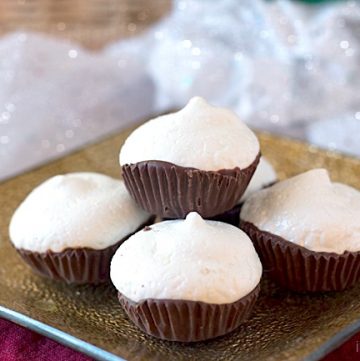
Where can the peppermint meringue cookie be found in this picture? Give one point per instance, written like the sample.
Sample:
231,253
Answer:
71,220
199,136
307,232
264,176
191,264
200,158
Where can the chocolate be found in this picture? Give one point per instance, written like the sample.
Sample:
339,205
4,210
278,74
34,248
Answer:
77,265
188,321
172,191
231,216
300,269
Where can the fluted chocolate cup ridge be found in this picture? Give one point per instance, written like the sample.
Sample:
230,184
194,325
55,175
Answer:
299,269
172,191
188,321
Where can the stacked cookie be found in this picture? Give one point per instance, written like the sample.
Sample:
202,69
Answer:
199,159
193,279
69,227
196,274
307,232
187,280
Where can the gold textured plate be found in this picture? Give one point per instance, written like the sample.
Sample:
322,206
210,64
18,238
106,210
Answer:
284,325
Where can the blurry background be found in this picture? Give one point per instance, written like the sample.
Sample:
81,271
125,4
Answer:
74,71
93,23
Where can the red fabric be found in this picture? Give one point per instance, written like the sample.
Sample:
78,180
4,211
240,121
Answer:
349,351
20,344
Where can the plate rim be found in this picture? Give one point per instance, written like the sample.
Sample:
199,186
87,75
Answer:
334,342
99,354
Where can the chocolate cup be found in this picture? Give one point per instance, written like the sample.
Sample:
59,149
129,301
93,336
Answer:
188,321
300,269
77,265
231,216
171,191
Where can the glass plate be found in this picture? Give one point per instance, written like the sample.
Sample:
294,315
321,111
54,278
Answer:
284,325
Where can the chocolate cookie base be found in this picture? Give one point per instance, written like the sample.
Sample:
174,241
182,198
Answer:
78,265
171,191
188,321
299,269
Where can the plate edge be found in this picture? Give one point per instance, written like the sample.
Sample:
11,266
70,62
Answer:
58,335
334,342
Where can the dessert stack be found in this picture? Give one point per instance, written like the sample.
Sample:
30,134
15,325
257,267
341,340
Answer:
191,279
194,275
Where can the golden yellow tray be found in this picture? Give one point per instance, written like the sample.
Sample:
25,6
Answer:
284,325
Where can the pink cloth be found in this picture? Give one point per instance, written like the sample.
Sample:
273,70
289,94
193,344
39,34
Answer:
20,344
